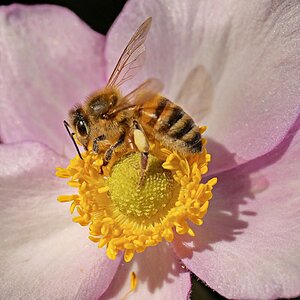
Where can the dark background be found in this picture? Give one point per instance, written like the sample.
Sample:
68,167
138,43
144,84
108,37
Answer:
100,14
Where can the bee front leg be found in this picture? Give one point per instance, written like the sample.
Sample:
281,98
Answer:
142,145
109,152
95,142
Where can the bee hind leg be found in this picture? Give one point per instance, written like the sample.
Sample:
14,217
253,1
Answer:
142,145
144,164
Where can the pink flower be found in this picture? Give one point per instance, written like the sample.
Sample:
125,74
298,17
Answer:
248,58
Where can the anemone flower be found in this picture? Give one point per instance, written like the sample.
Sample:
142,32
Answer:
234,66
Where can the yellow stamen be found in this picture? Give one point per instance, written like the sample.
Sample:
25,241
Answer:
133,281
126,215
133,285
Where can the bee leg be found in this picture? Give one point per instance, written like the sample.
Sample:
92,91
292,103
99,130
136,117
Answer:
142,145
95,142
96,146
109,152
131,143
144,164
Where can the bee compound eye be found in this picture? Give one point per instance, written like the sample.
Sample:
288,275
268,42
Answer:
82,128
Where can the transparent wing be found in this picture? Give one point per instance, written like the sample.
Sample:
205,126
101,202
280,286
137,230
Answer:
143,93
197,88
132,57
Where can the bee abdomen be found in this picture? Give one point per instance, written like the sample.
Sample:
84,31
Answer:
194,142
180,127
158,111
186,131
176,114
172,126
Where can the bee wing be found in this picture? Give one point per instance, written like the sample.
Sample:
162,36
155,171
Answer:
132,57
198,88
144,92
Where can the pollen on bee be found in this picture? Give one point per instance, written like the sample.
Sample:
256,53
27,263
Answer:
140,141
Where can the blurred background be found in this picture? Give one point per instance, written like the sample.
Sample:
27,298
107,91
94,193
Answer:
100,15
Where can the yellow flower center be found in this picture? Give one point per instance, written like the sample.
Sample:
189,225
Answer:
125,213
136,199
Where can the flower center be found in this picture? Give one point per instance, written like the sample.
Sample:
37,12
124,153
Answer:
127,214
140,199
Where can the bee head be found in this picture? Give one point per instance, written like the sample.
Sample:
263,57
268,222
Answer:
101,103
80,125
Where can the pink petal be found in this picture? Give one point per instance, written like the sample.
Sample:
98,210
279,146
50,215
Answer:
50,60
247,55
160,276
248,247
44,255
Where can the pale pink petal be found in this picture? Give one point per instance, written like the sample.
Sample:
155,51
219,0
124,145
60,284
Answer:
43,254
247,55
49,60
160,276
248,247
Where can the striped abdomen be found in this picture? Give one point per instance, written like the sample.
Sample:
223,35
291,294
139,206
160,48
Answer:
170,125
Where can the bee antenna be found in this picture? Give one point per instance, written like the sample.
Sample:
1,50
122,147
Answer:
71,134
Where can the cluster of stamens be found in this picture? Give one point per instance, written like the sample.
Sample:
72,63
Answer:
127,214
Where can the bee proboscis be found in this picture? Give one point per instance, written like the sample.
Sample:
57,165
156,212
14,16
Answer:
108,121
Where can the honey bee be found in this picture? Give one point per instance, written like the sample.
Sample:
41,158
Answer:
108,121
